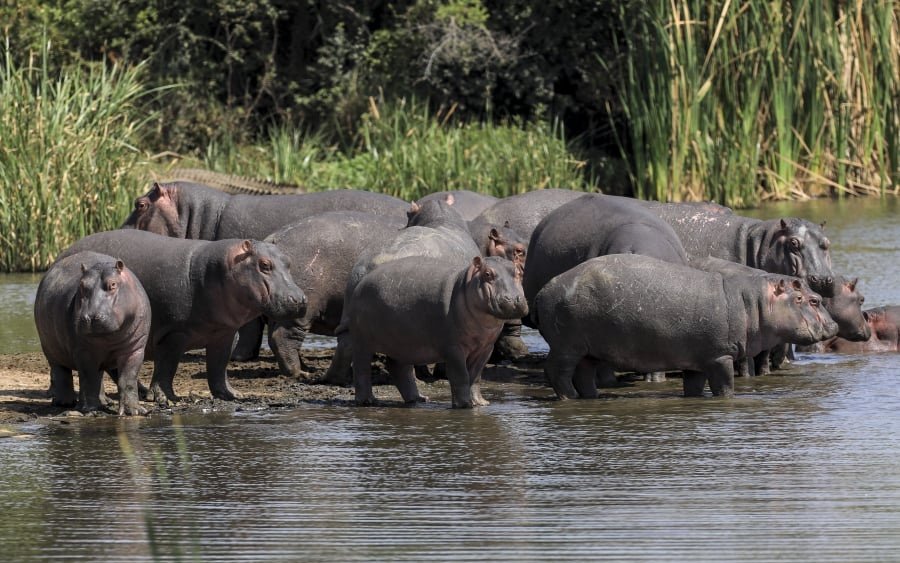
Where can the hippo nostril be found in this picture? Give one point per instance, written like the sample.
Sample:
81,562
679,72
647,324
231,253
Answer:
829,281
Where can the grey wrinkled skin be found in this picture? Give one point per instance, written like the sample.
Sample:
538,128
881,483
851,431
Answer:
522,212
884,335
436,232
92,315
627,311
791,246
200,293
469,204
420,310
195,211
595,225
322,251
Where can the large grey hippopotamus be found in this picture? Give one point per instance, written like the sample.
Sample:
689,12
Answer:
626,311
435,230
195,211
201,292
420,310
791,246
883,324
521,212
92,315
845,309
322,250
595,225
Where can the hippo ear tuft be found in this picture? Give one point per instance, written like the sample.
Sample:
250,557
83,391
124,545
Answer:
120,266
450,199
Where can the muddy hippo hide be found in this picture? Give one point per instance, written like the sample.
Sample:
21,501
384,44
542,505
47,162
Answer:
92,315
627,311
884,334
595,225
201,292
791,246
195,211
322,251
424,310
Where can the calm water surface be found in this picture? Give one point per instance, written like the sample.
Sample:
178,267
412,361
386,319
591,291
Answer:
803,465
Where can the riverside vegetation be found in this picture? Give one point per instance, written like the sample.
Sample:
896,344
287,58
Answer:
733,101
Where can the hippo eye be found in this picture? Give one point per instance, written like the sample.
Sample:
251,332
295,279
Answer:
795,243
489,275
862,299
826,244
798,299
813,301
265,266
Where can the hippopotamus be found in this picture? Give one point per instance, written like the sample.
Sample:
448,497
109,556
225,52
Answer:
627,311
195,211
884,334
595,225
92,315
790,246
322,250
521,212
420,310
435,231
469,204
845,309
200,293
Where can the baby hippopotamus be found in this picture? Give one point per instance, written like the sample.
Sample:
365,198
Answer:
627,311
421,310
92,314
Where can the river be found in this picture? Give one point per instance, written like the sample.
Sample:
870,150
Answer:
800,465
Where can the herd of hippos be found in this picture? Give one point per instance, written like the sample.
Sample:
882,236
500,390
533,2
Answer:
612,284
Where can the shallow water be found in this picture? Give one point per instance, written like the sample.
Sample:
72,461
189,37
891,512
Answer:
802,465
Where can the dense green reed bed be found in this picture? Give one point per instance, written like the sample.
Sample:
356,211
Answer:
739,101
67,156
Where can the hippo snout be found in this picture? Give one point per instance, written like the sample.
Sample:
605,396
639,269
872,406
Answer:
512,307
292,305
822,284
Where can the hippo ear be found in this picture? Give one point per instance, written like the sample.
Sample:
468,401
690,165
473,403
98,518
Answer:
450,199
120,266
83,268
779,287
494,235
784,225
822,225
851,285
795,283
247,246
506,224
413,208
477,265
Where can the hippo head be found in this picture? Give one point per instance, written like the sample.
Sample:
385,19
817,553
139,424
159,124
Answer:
507,243
800,248
846,309
497,285
434,213
101,306
797,313
157,212
260,273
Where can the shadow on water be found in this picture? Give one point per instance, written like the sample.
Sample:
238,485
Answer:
800,465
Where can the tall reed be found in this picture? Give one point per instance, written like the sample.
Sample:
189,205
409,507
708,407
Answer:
67,154
739,101
406,150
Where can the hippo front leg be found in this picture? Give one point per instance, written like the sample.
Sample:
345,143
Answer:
217,354
694,382
62,387
362,375
166,357
127,382
460,385
560,372
761,362
403,376
587,373
249,341
340,371
89,387
286,339
475,366
721,377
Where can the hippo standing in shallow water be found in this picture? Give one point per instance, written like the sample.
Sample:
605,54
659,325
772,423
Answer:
423,310
792,246
884,334
626,311
201,292
92,315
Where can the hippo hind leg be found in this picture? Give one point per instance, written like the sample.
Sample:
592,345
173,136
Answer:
721,377
694,383
249,341
560,372
362,374
585,377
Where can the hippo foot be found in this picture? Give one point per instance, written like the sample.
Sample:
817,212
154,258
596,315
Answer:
132,410
226,394
655,377
161,398
416,401
369,401
480,401
64,401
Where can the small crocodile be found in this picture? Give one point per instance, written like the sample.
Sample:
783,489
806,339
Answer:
230,183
